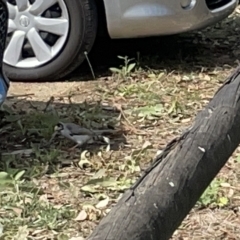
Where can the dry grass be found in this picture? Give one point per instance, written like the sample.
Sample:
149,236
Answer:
49,193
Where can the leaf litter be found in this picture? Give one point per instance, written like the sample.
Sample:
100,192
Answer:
50,193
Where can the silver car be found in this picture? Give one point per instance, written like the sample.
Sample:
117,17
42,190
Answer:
47,39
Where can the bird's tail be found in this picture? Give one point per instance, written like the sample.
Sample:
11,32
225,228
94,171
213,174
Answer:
102,139
106,131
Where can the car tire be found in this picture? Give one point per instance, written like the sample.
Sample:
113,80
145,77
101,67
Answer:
82,33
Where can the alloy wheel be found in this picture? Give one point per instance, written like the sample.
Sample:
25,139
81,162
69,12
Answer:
37,32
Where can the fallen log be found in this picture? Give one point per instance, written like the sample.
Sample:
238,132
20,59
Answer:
157,203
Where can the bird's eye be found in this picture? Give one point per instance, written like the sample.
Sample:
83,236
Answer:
60,126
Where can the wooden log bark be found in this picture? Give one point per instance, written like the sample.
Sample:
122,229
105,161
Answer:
156,205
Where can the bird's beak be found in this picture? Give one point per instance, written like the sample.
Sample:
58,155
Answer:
56,128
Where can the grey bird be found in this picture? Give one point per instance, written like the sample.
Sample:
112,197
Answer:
81,135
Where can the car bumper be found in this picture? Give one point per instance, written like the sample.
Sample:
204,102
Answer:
134,18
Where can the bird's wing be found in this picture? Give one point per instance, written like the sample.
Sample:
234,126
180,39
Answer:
77,130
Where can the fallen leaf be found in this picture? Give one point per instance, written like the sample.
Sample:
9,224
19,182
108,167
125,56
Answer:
44,198
19,175
186,120
28,200
101,196
146,145
89,189
38,231
149,112
5,179
224,184
223,201
83,163
158,153
152,75
103,203
62,236
81,216
18,211
1,229
89,208
108,148
108,210
93,216
185,78
230,193
104,182
207,77
4,175
100,173
22,233
84,155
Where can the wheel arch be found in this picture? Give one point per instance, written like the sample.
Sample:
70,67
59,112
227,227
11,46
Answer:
102,18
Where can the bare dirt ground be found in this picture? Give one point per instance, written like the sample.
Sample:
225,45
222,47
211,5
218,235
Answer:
51,193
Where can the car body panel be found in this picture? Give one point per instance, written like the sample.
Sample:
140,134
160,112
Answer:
143,18
4,82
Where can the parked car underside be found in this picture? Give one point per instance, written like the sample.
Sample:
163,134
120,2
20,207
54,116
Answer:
47,39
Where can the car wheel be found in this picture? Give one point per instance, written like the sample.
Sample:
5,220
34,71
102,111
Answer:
47,38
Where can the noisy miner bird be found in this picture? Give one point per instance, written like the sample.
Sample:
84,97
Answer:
81,135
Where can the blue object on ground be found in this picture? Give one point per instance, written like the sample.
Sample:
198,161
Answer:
4,82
